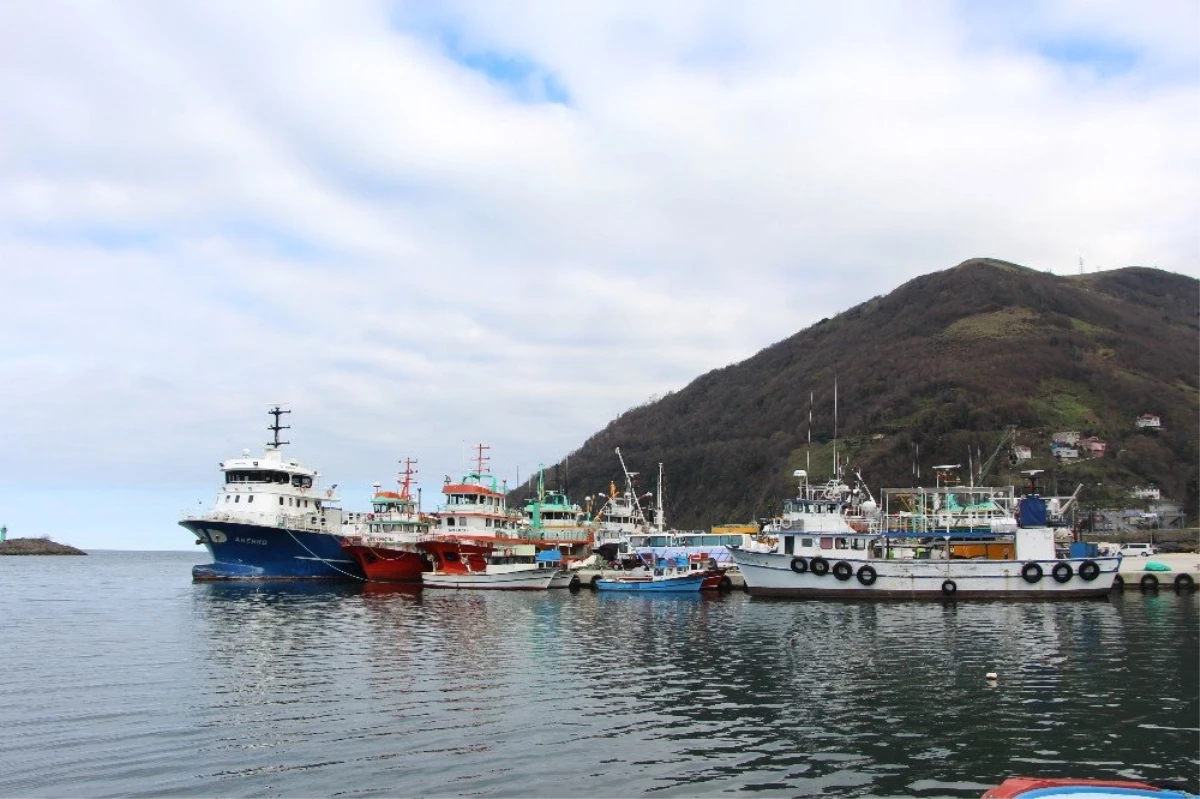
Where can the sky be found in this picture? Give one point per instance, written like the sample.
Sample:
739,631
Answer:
425,226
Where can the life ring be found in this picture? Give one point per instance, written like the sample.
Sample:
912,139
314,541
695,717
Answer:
1062,572
786,524
866,575
819,566
1089,570
949,588
799,565
1032,572
1184,582
843,570
1148,582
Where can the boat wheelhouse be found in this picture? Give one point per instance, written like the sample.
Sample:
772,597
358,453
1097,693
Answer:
552,521
476,504
271,520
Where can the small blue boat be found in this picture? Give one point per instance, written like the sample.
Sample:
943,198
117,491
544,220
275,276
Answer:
666,577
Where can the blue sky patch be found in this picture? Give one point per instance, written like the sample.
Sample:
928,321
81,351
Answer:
1106,59
527,79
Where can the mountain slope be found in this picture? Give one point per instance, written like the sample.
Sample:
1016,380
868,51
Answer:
933,371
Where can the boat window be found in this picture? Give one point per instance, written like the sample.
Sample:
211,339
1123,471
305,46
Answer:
789,544
826,542
226,497
858,543
281,500
806,543
840,543
237,498
250,498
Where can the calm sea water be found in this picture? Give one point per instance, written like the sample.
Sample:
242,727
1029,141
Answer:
120,677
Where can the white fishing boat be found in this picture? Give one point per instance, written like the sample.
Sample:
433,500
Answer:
879,563
465,564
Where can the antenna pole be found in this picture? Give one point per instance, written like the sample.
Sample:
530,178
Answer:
835,460
658,510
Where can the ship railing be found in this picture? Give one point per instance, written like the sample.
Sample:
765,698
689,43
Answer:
580,534
313,522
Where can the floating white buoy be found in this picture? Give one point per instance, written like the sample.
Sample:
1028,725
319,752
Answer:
991,676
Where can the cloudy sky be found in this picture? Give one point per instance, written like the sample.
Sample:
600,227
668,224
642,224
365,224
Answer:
425,226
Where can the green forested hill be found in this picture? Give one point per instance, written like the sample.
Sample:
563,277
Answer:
941,367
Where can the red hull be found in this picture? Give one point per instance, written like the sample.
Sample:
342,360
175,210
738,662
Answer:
387,565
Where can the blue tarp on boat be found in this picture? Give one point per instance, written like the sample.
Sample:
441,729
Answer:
1033,512
548,556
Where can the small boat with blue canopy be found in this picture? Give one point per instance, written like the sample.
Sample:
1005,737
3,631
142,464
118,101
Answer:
663,576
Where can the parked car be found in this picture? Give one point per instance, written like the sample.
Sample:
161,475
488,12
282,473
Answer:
1135,550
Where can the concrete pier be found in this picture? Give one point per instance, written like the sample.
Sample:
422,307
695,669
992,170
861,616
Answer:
1184,573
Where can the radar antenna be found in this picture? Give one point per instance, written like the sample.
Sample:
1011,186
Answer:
277,411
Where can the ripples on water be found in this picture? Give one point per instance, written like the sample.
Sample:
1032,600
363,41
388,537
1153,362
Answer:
122,678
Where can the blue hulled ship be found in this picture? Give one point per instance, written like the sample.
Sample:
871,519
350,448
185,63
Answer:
271,520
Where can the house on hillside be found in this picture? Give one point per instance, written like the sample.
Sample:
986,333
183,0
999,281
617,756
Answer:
1145,492
1063,452
1150,420
1093,447
1022,453
1067,438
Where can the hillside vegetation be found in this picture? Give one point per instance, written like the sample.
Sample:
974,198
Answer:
941,367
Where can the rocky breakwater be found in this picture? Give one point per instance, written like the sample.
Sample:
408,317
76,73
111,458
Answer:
37,546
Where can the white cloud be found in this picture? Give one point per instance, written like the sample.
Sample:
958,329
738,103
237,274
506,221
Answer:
207,207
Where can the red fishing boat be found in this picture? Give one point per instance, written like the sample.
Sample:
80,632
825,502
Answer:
384,544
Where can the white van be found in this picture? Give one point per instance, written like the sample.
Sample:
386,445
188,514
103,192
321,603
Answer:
1135,550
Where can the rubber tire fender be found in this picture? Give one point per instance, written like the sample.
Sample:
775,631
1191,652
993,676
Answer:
1185,582
819,566
1089,570
867,575
726,583
1118,583
594,583
843,570
1149,582
1031,572
799,565
949,588
1062,572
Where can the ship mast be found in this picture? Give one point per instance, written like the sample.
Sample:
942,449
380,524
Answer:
481,459
405,477
275,428
658,509
641,517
